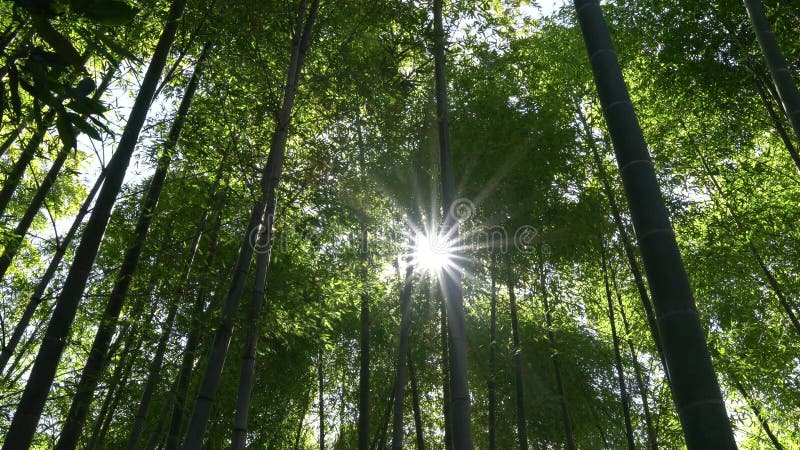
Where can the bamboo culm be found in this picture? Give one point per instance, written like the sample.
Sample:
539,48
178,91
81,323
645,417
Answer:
551,336
418,428
17,237
247,374
269,181
492,350
38,294
776,62
400,371
94,366
14,177
321,400
516,355
451,280
623,389
155,367
183,378
364,342
26,417
445,362
627,245
641,382
695,389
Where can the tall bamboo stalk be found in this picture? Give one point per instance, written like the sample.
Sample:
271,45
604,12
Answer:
778,68
451,279
623,388
270,178
694,384
26,418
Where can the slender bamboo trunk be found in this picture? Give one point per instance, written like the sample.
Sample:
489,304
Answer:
418,428
775,286
400,378
623,389
773,93
120,340
445,341
11,138
600,429
562,397
103,414
97,440
38,294
95,363
756,411
778,68
380,438
768,93
118,377
122,371
516,354
750,401
153,377
492,350
14,243
321,403
269,181
364,356
222,337
13,380
36,299
551,336
14,177
34,337
652,436
306,405
627,243
778,123
157,436
695,389
341,415
364,319
183,379
772,281
459,390
639,282
26,418
10,33
248,366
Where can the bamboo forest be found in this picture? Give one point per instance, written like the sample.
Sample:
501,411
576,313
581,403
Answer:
404,224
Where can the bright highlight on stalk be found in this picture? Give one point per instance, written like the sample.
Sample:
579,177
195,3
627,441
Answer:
433,254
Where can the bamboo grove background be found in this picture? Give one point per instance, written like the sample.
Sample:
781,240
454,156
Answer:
209,209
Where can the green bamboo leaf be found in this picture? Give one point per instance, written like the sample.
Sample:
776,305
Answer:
115,47
85,105
85,87
100,125
106,12
58,42
3,99
84,126
65,131
13,88
41,93
46,8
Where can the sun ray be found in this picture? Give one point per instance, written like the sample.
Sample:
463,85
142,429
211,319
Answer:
431,253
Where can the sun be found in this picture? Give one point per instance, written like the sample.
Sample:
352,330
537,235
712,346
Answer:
433,254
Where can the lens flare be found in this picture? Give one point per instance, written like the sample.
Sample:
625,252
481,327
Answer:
432,253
